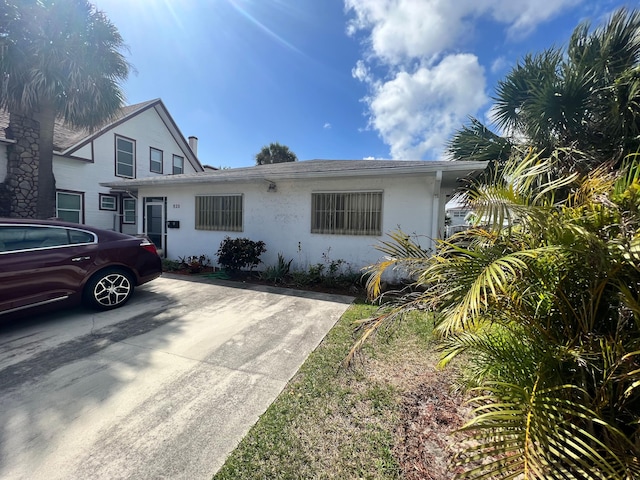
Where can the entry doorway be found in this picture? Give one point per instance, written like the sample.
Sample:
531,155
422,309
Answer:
154,222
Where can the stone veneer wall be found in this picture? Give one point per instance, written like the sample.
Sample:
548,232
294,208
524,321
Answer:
22,168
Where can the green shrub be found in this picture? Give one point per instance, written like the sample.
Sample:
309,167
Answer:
235,254
279,272
170,265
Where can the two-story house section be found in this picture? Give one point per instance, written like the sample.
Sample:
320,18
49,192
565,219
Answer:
142,141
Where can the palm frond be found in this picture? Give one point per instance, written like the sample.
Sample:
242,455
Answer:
533,434
403,254
476,142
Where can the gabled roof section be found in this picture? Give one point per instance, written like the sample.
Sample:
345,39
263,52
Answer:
67,140
449,171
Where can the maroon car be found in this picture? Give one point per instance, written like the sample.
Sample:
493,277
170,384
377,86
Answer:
43,261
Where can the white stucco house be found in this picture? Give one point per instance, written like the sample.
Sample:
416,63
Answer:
309,211
142,141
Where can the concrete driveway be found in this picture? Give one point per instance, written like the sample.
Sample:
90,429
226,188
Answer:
164,387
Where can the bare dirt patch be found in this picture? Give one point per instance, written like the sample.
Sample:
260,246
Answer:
425,437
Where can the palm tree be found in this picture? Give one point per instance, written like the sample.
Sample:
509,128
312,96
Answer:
275,153
59,59
585,99
543,298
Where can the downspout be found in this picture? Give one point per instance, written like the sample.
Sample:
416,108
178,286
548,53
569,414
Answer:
435,209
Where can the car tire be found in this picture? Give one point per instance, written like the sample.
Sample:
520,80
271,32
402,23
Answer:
107,289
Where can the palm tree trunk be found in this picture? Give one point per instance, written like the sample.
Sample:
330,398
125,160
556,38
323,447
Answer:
46,203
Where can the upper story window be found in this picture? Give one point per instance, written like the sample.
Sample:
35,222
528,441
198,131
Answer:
347,213
155,160
178,164
125,157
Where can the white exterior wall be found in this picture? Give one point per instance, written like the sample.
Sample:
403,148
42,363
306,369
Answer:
148,130
282,219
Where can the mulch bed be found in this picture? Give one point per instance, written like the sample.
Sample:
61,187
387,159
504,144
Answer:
254,277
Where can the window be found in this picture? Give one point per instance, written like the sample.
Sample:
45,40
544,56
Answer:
107,202
357,213
155,160
459,213
29,237
128,210
69,206
178,165
219,212
125,157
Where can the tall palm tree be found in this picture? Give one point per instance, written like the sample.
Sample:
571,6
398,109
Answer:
543,296
59,59
275,153
585,99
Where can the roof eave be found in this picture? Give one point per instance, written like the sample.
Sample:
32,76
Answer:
222,176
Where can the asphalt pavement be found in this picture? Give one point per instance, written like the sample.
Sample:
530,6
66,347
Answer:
162,388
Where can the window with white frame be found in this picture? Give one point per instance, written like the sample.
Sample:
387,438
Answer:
108,202
128,210
347,213
178,164
219,212
125,157
155,160
69,206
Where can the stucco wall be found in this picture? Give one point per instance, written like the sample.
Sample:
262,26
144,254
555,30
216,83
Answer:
282,219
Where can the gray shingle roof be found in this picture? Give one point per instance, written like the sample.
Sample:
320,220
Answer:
65,137
313,169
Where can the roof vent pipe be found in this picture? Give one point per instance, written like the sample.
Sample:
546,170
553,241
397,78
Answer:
193,144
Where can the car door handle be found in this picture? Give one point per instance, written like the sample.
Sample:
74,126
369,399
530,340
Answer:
79,259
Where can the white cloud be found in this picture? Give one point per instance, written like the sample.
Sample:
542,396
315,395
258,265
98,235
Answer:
415,112
523,16
404,29
498,65
327,126
361,72
427,88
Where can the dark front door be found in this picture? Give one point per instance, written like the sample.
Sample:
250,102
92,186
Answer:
154,223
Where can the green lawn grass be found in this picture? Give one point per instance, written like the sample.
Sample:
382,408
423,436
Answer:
332,422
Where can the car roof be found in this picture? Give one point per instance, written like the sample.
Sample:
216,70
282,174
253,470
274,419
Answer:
59,223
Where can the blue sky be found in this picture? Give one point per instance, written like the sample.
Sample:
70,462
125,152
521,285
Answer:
332,79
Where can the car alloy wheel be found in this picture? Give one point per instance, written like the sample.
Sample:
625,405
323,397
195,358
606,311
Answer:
109,289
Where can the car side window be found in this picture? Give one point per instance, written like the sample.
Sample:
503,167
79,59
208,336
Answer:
15,238
29,237
76,236
50,237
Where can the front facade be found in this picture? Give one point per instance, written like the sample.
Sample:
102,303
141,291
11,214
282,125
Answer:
311,212
143,141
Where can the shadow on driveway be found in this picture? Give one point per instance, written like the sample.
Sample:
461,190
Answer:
164,387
